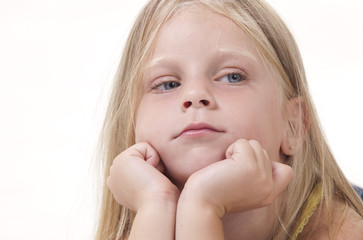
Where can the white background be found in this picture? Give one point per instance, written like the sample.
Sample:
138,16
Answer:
57,60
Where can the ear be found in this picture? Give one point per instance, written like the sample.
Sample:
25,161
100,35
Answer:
296,128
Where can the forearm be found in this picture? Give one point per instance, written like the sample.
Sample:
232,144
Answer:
154,222
196,220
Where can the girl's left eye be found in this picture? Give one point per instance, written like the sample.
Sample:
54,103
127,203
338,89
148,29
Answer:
232,78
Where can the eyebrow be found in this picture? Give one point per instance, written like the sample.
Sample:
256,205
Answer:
249,56
220,54
158,61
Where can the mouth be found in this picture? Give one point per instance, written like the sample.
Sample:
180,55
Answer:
197,130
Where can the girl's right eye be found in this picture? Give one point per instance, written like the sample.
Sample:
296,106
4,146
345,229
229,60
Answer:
165,85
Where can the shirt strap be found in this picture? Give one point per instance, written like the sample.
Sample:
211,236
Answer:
312,203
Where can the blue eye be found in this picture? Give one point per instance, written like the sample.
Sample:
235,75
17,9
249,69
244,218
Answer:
232,78
165,86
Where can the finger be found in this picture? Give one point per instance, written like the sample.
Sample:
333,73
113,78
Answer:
229,151
160,167
151,156
148,153
240,150
282,175
260,154
268,161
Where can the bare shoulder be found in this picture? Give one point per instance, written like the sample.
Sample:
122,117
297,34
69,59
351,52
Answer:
351,227
345,223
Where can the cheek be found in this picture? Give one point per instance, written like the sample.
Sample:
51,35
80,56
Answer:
146,128
138,133
262,122
151,121
272,132
141,121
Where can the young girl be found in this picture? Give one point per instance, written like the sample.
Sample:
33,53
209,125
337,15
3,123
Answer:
211,133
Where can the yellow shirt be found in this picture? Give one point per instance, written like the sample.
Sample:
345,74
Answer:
313,201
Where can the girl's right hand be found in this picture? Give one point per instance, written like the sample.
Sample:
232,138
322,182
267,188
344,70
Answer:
136,178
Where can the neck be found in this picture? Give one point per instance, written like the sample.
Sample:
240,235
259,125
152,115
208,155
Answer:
254,224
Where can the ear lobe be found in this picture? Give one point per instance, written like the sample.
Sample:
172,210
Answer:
296,126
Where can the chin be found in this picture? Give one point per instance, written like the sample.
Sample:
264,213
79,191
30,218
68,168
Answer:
180,168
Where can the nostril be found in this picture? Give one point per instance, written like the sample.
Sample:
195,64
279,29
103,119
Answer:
204,102
187,104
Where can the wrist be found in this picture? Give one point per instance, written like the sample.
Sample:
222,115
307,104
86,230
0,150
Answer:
155,218
197,218
160,199
195,198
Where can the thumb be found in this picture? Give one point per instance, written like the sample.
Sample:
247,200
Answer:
151,156
282,175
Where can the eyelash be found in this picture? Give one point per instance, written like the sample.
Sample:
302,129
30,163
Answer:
159,83
240,73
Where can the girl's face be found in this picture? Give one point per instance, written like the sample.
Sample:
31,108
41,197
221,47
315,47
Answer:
205,87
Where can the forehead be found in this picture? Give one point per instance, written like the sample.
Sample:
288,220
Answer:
197,26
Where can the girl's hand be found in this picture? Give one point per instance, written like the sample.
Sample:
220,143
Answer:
245,180
136,178
137,182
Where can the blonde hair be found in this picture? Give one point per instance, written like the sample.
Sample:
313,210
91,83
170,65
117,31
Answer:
313,163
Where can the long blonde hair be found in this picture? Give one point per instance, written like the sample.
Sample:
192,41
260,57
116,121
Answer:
313,163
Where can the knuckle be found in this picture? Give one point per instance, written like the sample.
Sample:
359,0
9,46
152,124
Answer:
268,193
270,198
254,142
242,142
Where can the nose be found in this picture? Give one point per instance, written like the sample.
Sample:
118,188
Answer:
201,103
197,96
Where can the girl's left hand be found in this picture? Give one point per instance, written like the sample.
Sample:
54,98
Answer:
246,179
